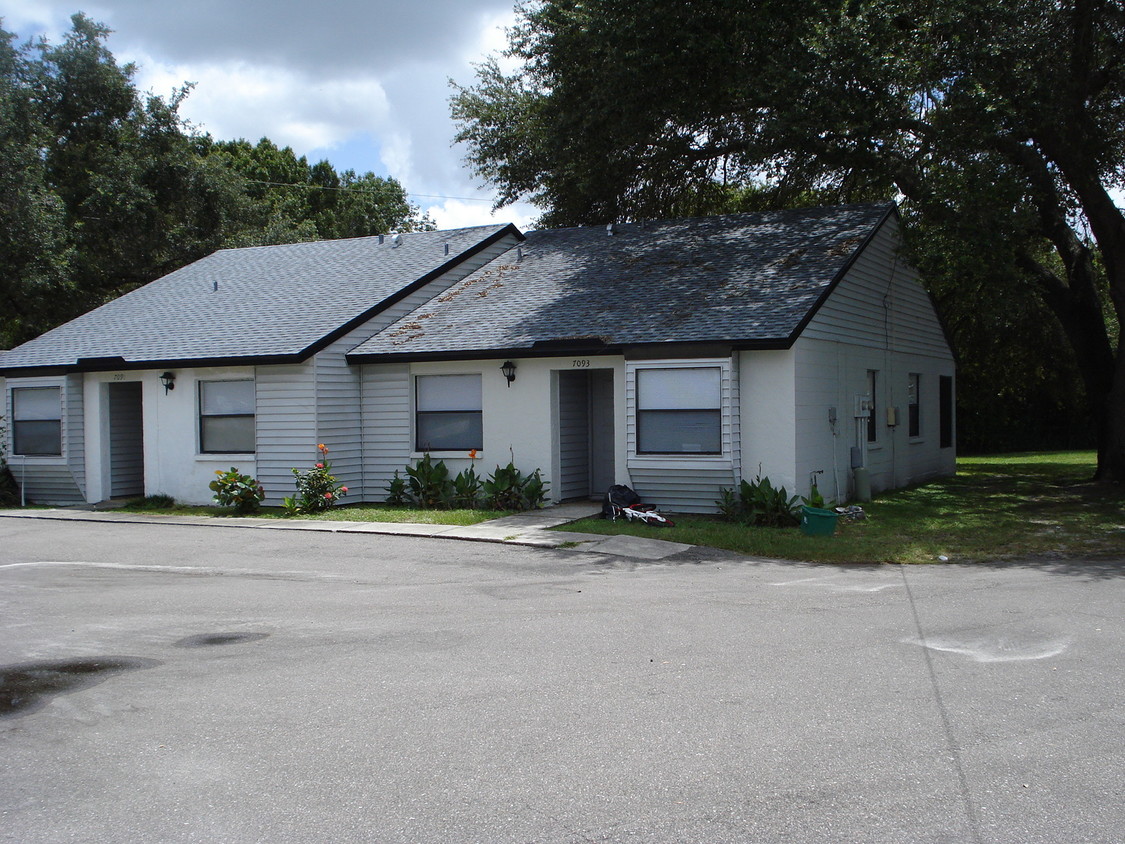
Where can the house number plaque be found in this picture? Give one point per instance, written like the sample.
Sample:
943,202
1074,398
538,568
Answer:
581,364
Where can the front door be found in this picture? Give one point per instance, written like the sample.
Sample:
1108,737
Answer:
126,440
585,426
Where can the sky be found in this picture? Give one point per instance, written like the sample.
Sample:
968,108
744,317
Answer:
361,83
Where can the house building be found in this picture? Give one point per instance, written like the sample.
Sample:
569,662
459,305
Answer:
677,357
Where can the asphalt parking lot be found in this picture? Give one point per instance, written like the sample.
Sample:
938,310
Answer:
182,683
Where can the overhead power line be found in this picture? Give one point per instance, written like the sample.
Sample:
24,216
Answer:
364,190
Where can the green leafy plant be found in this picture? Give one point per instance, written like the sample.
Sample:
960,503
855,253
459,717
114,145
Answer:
396,491
317,489
509,489
467,487
760,503
241,492
814,498
428,484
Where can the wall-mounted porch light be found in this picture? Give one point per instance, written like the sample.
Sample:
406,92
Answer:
168,379
509,370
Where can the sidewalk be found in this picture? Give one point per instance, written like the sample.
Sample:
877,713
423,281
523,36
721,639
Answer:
530,528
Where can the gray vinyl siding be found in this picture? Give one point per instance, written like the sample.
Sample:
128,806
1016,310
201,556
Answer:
682,483
680,488
47,483
386,425
75,431
52,480
285,426
338,416
879,318
574,435
880,303
126,440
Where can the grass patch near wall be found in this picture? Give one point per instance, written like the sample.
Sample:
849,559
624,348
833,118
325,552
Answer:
345,513
995,508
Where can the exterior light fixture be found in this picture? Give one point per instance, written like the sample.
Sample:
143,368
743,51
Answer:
168,379
509,370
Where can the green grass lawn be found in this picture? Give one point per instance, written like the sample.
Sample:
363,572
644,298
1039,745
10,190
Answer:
346,513
995,508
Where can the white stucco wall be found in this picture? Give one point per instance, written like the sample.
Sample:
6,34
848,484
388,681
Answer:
173,464
768,408
518,420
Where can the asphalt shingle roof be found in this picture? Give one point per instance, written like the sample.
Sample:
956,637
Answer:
253,303
738,278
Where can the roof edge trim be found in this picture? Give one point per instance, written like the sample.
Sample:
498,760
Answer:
416,285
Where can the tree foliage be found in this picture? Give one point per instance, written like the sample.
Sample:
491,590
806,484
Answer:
103,189
1000,125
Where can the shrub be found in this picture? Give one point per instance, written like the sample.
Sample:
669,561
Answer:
428,484
467,487
509,489
317,489
233,489
396,491
760,503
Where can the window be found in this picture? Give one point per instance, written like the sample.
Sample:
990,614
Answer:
914,409
36,421
226,417
872,421
679,411
447,413
945,411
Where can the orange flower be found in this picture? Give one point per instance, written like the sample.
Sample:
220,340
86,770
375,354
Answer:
343,489
473,454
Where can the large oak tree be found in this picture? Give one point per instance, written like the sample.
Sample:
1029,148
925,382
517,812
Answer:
1000,124
104,188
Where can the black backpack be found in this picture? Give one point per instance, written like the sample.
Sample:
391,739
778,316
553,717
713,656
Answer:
618,495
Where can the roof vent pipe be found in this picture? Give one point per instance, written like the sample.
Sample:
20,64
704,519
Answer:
380,240
447,249
519,254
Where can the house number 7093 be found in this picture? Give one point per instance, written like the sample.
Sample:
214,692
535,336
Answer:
581,364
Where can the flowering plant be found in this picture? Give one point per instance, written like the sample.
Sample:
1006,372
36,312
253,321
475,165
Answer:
234,489
317,489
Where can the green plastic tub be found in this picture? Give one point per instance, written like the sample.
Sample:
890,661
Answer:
817,522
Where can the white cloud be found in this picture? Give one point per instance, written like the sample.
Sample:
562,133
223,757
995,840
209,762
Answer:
458,213
237,100
363,84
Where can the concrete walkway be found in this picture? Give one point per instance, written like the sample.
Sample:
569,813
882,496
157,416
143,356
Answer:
530,528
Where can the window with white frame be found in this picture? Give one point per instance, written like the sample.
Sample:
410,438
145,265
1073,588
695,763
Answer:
679,410
448,413
914,408
226,417
36,421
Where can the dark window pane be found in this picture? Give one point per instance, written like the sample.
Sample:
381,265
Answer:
453,430
37,437
679,432
945,411
227,434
